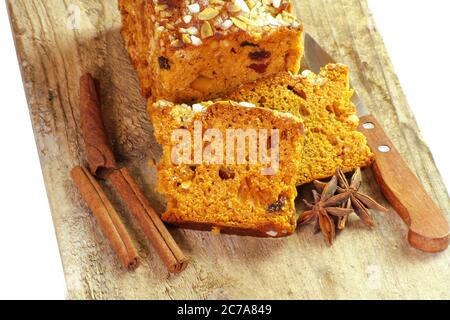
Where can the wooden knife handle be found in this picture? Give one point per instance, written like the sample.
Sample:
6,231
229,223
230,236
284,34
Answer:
428,228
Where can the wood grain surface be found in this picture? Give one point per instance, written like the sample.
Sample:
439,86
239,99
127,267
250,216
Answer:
55,48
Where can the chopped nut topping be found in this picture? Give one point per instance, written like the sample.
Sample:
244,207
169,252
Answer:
187,18
196,41
244,7
239,23
233,8
227,24
208,14
194,8
206,31
175,19
192,30
186,38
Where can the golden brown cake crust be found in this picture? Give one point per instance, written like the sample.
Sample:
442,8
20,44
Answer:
227,196
261,232
197,56
324,103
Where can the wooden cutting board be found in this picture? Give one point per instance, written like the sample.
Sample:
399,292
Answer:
59,40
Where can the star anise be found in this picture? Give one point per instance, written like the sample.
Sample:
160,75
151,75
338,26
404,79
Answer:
359,202
325,207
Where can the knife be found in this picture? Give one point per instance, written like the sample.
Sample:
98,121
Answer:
428,228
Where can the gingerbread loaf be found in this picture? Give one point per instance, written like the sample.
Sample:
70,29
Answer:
323,101
196,50
244,185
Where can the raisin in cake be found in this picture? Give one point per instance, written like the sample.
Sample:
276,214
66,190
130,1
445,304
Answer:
324,103
195,50
231,196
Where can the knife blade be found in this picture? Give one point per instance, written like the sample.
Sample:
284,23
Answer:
428,228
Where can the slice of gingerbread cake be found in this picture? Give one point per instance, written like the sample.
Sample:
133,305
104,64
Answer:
323,101
229,167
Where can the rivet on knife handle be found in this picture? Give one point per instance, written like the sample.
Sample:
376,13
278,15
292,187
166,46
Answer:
428,228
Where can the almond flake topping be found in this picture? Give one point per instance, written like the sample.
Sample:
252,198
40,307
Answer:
233,8
244,7
239,23
194,20
208,14
206,31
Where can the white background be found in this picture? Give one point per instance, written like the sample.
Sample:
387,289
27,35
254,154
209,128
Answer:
414,31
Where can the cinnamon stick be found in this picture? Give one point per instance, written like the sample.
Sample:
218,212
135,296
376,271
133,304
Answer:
103,165
149,220
107,218
99,155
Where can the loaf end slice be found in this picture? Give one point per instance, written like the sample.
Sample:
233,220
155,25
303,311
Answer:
195,51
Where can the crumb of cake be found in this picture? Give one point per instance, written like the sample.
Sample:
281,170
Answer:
215,230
